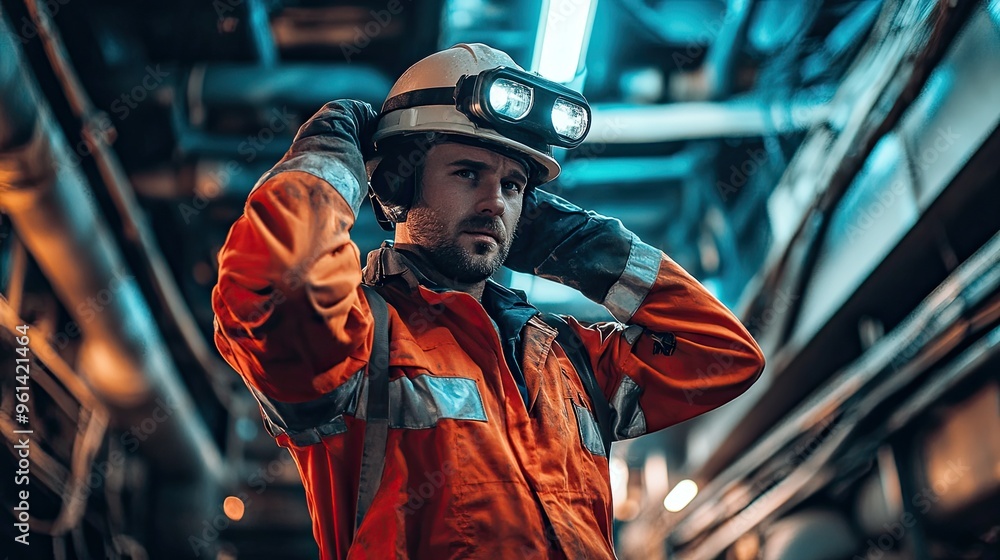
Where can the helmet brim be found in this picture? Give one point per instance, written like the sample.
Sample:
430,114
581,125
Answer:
448,120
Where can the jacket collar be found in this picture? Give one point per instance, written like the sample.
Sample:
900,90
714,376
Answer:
387,264
508,309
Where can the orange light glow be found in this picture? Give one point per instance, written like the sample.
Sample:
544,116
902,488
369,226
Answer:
233,507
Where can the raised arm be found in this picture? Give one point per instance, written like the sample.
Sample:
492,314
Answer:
290,316
677,351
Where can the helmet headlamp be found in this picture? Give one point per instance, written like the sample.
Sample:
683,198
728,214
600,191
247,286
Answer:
519,105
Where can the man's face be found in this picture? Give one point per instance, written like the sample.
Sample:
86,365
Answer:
467,210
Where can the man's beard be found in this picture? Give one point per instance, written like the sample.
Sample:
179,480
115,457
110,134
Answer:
451,259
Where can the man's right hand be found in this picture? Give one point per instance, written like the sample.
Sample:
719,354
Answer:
345,119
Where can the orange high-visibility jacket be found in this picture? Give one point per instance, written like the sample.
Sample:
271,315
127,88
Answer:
471,471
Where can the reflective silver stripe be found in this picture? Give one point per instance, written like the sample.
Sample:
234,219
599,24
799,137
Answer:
307,422
629,421
327,169
637,279
413,404
420,402
423,400
589,434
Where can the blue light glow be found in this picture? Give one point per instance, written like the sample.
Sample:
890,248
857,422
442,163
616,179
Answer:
563,34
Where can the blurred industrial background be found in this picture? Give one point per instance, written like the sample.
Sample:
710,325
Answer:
829,168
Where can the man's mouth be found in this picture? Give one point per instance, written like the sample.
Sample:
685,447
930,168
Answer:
484,234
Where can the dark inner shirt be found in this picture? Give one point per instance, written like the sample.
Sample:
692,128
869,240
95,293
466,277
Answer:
510,312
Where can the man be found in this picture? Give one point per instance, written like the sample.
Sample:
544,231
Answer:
493,448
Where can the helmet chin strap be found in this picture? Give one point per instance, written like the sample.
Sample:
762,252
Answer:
390,212
381,216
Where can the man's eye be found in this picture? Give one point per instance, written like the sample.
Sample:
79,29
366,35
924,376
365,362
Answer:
514,186
466,174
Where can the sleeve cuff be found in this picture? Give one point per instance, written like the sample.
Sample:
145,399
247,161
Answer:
627,294
328,169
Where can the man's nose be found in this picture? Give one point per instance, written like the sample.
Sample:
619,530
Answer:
491,200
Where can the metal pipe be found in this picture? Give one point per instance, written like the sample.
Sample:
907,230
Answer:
812,534
123,356
590,172
724,51
622,124
914,346
97,133
294,86
261,37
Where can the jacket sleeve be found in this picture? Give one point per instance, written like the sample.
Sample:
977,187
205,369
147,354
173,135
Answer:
290,314
678,353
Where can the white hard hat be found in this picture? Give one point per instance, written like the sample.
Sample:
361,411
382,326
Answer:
442,70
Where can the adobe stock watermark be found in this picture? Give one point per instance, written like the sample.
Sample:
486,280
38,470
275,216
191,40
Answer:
211,529
99,129
223,7
147,426
822,432
696,48
89,309
130,441
565,11
363,35
802,450
781,304
28,29
585,155
611,131
250,148
279,120
944,139
914,346
921,502
425,491
738,177
130,100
